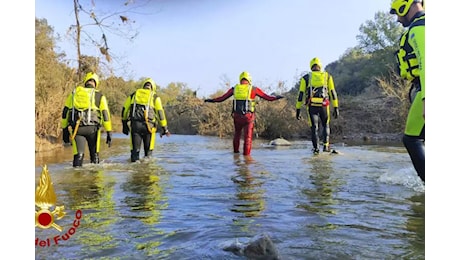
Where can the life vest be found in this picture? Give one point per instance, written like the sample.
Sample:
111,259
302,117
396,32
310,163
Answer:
142,108
318,92
85,107
243,103
407,60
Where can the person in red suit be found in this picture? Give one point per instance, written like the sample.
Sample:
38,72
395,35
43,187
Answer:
243,111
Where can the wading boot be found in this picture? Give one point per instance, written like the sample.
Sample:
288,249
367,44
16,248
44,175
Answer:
326,149
134,156
78,160
95,158
315,151
148,153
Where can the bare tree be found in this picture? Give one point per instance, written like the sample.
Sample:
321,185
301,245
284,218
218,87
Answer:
117,23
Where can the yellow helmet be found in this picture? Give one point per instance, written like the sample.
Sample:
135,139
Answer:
401,7
315,61
150,80
93,76
246,75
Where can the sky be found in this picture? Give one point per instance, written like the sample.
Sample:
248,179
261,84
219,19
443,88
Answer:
269,51
206,43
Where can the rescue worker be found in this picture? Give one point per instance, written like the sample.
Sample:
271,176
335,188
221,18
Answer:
317,91
243,111
85,111
143,108
411,61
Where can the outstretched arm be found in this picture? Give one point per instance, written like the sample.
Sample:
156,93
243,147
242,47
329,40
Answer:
260,93
224,97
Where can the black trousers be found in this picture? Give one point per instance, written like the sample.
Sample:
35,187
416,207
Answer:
319,115
140,135
87,135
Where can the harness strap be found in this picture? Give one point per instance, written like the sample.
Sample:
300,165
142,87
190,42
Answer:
146,113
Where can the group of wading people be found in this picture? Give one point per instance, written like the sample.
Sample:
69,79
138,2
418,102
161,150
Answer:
86,108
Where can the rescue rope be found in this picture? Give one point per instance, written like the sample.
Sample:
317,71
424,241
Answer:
146,117
74,132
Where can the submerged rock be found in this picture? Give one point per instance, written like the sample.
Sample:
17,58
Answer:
280,142
259,248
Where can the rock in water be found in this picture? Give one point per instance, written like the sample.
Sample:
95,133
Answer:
280,142
261,248
258,248
236,248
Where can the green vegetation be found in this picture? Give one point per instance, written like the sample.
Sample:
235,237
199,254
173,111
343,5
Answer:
372,99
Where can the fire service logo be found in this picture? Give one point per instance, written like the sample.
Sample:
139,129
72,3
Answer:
45,199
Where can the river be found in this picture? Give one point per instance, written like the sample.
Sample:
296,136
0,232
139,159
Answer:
195,198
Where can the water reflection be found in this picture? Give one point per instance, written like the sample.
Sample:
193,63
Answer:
84,188
92,192
320,195
416,227
203,201
145,203
249,192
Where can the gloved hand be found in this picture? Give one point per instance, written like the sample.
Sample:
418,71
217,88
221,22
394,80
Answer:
209,100
297,114
336,112
109,139
165,132
66,135
125,127
279,97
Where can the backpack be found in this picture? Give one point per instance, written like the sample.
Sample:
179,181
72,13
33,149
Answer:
140,108
85,106
319,93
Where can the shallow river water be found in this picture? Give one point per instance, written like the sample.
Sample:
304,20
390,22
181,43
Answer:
195,198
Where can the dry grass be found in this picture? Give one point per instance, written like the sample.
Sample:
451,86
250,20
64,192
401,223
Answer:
377,114
46,144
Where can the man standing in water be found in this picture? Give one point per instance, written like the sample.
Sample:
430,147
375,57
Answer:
411,60
243,111
317,91
144,109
